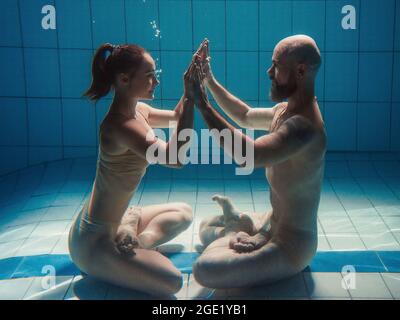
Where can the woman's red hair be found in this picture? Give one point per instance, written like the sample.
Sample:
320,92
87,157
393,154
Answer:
110,60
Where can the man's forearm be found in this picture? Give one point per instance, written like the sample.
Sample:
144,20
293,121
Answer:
215,121
234,107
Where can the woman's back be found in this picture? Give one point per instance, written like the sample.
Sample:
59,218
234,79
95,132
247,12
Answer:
119,172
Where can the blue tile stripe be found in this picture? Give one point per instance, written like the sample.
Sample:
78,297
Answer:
324,261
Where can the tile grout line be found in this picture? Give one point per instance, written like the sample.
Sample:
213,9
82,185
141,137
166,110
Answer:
358,73
92,50
60,87
387,287
324,86
391,87
216,50
254,100
325,234
25,82
160,51
377,211
372,205
348,216
125,26
258,53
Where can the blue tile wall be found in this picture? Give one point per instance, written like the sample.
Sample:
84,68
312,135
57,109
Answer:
209,22
242,25
44,116
31,16
397,30
373,126
377,25
74,18
242,74
12,112
341,86
176,25
38,155
174,64
309,18
75,79
42,72
341,125
13,158
10,28
273,14
337,38
108,22
141,23
395,127
12,74
358,82
264,81
396,78
375,76
79,122
79,152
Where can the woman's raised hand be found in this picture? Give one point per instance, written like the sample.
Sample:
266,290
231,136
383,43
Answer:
203,52
193,81
189,78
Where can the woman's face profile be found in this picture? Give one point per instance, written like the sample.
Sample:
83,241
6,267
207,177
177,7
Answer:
144,81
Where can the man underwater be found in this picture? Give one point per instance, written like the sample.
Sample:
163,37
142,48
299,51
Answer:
243,250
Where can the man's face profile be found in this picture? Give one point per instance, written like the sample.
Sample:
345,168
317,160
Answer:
283,79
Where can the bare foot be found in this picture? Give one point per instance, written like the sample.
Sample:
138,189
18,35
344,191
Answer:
243,242
234,220
228,209
126,238
126,241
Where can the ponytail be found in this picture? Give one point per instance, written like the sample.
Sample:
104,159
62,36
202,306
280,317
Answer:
122,59
101,76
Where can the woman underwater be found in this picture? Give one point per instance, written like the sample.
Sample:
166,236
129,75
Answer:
110,240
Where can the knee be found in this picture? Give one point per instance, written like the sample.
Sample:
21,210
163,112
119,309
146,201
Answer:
205,271
204,224
173,284
186,214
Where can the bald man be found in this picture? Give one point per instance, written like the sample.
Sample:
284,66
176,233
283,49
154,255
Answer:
245,250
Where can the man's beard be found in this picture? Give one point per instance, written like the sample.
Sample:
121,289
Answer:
279,92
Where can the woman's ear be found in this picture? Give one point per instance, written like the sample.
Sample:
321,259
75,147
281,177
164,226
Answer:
122,79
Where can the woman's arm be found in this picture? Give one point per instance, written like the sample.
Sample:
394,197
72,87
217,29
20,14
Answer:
159,118
135,136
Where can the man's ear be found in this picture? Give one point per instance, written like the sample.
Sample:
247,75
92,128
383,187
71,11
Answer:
301,70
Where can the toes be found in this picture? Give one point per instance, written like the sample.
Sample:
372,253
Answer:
127,244
243,247
217,197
